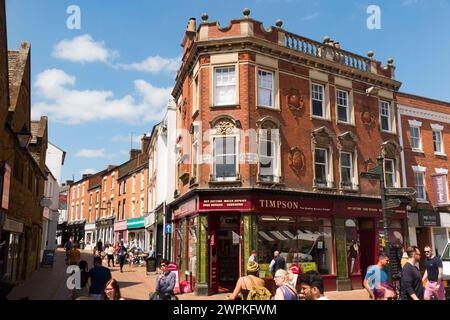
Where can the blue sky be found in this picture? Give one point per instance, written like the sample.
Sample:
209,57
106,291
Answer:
113,76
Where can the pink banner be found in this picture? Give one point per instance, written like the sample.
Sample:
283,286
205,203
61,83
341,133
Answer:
440,189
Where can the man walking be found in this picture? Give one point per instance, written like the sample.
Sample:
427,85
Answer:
122,252
311,284
376,281
277,263
68,247
98,277
110,253
433,273
411,283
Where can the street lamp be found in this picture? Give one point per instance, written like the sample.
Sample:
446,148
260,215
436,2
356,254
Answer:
24,137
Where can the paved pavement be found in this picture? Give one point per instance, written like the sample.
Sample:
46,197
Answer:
135,284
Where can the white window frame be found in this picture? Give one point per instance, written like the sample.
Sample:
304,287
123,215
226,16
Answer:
237,145
104,184
142,205
276,157
133,207
142,180
83,189
347,106
82,210
420,170
327,168
196,94
133,185
113,181
394,173
313,92
418,139
352,170
236,84
382,104
195,151
272,101
78,191
438,129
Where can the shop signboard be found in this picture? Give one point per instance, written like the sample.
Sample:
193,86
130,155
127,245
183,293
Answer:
429,218
13,226
136,223
441,189
225,203
185,209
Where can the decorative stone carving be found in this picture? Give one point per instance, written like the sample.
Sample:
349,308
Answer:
296,160
367,118
296,101
347,141
390,149
322,136
368,162
225,127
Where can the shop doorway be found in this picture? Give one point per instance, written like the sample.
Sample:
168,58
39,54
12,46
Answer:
159,242
367,244
224,232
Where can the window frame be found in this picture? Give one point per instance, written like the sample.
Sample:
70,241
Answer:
236,84
441,142
423,185
352,185
390,116
275,141
327,168
348,106
273,105
237,154
325,115
418,138
394,173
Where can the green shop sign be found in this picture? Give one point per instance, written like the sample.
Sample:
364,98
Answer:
136,223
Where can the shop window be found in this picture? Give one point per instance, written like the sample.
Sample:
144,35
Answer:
307,242
192,250
353,247
179,244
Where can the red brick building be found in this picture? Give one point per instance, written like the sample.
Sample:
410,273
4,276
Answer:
274,129
425,126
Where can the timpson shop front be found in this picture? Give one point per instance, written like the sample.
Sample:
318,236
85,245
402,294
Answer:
213,236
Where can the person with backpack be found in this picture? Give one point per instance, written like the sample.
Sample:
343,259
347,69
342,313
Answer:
285,290
251,286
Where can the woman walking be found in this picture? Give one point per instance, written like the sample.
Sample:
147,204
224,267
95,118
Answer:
249,282
112,291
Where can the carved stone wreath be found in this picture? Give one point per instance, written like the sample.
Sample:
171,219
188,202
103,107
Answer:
296,160
295,100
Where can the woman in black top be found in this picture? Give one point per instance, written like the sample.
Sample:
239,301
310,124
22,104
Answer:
84,276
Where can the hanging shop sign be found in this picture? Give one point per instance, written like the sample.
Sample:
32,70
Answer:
441,189
429,218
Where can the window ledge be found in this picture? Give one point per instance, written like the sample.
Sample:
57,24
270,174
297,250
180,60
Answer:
227,106
422,201
346,123
440,154
349,190
388,132
418,150
320,118
214,182
276,109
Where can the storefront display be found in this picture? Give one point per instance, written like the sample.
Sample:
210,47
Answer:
353,246
307,242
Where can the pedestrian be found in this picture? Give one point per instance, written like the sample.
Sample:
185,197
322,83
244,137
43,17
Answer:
434,287
277,263
252,257
98,277
112,291
376,281
82,244
245,284
99,247
68,247
311,284
165,282
83,291
110,252
75,255
122,252
285,290
151,252
411,283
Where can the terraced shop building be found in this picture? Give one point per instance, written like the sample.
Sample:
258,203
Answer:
274,131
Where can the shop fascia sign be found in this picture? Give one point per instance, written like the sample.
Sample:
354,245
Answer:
149,220
136,223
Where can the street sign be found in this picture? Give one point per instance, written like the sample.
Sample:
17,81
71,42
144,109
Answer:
405,192
392,203
371,176
375,170
168,228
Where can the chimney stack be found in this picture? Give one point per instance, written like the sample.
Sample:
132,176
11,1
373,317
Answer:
192,25
84,176
145,142
134,153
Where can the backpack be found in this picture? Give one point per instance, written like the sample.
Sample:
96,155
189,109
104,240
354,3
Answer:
259,293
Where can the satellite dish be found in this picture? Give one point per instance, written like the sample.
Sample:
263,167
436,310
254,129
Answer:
46,202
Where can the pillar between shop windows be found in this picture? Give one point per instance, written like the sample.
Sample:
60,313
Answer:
183,262
248,241
202,256
343,282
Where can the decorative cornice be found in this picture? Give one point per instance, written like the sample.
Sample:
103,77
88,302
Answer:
423,113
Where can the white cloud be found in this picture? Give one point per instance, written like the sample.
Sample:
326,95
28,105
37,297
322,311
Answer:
92,153
83,49
154,64
88,171
310,16
66,105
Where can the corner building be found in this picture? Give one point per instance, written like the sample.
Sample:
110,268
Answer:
273,131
